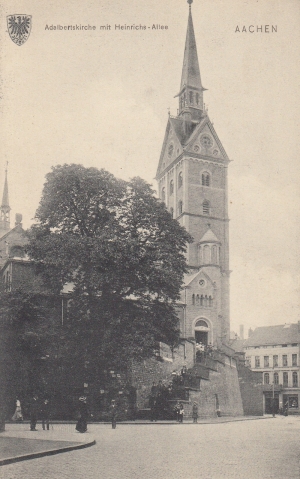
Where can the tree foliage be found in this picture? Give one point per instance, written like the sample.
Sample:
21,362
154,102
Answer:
124,255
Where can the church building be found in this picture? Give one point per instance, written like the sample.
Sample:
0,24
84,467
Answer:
12,240
192,181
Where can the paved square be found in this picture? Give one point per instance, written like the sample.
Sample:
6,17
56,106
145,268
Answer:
260,449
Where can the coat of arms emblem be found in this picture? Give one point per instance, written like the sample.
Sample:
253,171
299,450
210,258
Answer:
19,27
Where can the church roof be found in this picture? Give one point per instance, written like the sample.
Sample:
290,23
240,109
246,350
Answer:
183,129
209,237
274,335
188,278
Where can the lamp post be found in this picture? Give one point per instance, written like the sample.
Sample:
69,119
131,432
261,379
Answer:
273,393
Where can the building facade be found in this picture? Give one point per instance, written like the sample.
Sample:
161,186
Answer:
274,351
192,182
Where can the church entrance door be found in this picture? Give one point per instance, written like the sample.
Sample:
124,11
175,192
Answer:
201,337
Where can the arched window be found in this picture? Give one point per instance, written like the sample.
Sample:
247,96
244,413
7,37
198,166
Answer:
197,299
180,180
285,379
202,323
205,207
171,187
206,254
172,212
193,299
191,97
210,301
197,98
295,379
276,378
214,255
16,251
205,300
180,207
267,378
205,179
201,300
163,193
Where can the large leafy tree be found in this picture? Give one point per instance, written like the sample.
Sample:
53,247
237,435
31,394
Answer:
124,255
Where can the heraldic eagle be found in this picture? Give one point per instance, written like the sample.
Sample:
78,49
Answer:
20,27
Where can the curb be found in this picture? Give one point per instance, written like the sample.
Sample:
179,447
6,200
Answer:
51,452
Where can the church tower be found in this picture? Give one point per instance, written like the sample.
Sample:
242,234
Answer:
5,208
192,181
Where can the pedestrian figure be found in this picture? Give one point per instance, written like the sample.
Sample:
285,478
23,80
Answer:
273,407
195,412
181,412
45,414
286,409
81,425
113,414
18,416
34,407
177,411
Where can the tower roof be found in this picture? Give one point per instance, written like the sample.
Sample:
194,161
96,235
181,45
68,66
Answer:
209,237
5,200
190,70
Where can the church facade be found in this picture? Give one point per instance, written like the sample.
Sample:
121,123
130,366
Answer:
192,181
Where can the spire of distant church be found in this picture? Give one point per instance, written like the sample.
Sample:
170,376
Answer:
5,208
191,89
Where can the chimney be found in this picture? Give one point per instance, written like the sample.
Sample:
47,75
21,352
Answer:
250,332
242,331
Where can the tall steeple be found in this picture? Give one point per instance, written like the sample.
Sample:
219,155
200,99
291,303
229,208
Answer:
191,89
5,208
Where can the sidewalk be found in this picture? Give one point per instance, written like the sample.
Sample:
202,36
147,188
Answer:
18,443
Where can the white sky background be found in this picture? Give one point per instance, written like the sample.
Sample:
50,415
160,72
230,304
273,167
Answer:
100,98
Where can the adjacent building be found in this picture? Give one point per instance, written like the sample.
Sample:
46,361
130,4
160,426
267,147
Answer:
274,351
12,240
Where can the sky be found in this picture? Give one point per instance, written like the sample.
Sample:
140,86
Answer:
101,98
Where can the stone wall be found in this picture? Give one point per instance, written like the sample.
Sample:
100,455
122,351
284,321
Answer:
143,374
222,385
251,388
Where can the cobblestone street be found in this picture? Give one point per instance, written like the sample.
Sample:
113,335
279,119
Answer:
258,449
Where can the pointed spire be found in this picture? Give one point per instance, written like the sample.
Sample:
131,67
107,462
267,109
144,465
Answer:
190,70
5,208
5,200
191,89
